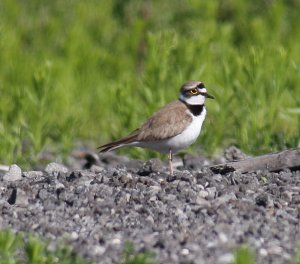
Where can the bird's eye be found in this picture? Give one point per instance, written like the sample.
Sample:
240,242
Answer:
194,91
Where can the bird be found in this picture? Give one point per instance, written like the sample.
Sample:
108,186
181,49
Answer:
175,126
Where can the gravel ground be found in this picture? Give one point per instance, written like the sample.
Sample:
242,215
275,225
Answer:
194,217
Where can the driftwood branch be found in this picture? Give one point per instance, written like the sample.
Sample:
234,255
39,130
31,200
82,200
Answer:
4,168
288,159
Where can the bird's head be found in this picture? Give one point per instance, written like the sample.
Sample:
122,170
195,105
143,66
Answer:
194,93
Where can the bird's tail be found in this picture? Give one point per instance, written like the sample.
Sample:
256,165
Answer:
118,143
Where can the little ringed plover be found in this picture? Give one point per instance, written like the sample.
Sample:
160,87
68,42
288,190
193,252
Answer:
174,127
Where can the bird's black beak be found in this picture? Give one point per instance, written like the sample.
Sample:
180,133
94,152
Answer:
209,96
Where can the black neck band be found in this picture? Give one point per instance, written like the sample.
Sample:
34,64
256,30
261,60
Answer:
196,110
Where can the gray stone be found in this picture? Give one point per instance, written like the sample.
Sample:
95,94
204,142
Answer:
234,154
202,202
153,165
99,211
287,195
43,194
226,258
33,174
225,199
21,198
212,192
96,169
14,173
126,178
97,250
195,162
203,193
54,167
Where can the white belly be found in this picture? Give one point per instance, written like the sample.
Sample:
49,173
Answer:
181,141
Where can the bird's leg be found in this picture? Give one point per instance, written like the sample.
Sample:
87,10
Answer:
170,163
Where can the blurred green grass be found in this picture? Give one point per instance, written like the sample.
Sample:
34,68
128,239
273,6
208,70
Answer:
20,248
94,70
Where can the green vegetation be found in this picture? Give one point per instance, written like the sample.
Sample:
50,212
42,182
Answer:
243,255
16,249
133,257
94,70
297,257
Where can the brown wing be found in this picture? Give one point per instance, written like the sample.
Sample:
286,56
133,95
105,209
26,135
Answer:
168,122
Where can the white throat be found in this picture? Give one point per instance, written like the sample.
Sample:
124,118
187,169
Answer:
193,100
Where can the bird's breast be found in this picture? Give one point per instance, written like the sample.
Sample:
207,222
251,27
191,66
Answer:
189,135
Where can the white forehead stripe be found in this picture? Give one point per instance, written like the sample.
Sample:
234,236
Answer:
202,90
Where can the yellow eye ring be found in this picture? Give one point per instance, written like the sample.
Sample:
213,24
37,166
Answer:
194,91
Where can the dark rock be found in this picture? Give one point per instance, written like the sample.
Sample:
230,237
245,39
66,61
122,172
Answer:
74,175
18,198
91,159
153,165
262,200
13,196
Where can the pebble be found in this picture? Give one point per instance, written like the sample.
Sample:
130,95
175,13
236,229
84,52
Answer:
194,162
116,241
21,198
233,154
153,165
195,217
14,173
74,236
126,178
226,258
287,195
59,186
33,174
203,193
202,202
262,199
211,193
263,252
224,199
43,194
96,169
223,238
276,250
97,250
54,167
185,251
